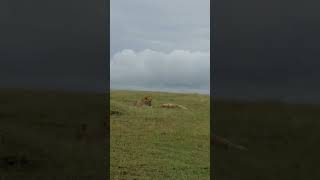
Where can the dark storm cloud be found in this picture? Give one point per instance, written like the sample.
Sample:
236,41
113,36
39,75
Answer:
53,44
266,49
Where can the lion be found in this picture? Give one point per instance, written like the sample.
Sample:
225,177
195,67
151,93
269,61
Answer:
169,105
145,101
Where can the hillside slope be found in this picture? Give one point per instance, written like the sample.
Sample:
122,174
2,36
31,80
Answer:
158,143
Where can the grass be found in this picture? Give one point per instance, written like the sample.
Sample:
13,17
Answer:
283,141
156,143
41,126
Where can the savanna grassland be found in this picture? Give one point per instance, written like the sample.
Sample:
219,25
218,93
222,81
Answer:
39,135
157,143
283,141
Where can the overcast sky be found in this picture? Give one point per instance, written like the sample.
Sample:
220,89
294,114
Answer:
160,45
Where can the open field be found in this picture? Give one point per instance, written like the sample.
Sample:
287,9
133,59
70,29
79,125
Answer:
283,141
156,143
38,135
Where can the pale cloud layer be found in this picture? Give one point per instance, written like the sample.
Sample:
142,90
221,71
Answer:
178,70
166,27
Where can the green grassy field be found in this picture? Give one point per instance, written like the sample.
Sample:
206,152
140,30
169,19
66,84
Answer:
283,141
156,143
41,128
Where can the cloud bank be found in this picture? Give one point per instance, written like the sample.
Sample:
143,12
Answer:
178,70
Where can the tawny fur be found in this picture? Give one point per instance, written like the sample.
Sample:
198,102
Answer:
169,105
145,101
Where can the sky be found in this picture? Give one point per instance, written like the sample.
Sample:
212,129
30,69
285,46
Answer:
266,49
160,45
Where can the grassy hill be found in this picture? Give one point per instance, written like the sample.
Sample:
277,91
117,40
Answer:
157,143
154,143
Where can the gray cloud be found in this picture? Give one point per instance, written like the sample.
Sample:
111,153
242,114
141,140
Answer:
177,31
178,70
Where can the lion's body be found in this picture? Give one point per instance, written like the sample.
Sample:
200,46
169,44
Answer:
169,105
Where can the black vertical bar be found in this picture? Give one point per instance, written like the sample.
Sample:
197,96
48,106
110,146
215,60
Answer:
54,89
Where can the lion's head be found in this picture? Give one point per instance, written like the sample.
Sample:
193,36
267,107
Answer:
147,100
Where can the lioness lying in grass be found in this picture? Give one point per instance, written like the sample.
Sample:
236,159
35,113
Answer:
169,105
145,101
